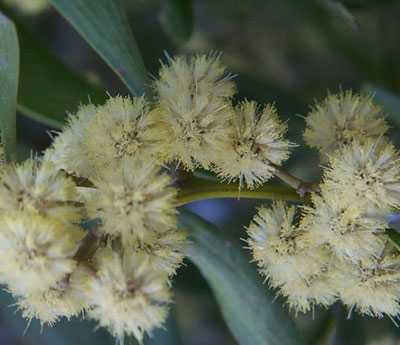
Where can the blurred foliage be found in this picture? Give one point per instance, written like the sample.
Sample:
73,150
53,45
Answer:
176,19
105,27
9,71
246,305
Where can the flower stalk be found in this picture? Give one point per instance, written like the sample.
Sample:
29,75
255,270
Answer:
196,189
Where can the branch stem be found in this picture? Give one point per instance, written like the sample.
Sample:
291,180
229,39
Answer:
195,189
301,187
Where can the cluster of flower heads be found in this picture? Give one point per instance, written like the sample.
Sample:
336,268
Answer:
118,273
336,247
193,124
110,164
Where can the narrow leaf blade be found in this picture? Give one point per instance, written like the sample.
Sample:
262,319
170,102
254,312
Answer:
104,25
245,302
9,70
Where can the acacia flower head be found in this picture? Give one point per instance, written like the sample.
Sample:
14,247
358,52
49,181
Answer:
286,260
99,136
66,152
123,128
132,200
164,251
194,99
342,118
365,172
277,244
346,228
255,146
65,299
373,287
39,188
37,252
127,296
317,288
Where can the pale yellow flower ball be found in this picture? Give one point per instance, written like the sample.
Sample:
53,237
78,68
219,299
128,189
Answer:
132,200
342,118
372,287
194,103
255,146
39,188
286,260
367,173
66,152
98,137
164,251
124,128
36,251
66,299
318,288
345,227
277,244
127,296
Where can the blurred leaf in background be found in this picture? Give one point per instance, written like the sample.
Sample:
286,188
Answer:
9,72
245,302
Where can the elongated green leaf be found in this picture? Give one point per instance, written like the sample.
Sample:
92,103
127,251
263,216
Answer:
9,69
245,302
177,19
104,25
47,88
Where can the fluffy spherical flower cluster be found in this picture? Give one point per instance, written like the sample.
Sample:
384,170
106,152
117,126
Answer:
136,204
372,287
133,201
66,298
127,296
66,151
48,264
122,128
119,272
301,272
194,100
368,171
255,146
38,252
342,231
344,227
39,239
193,123
342,118
121,147
39,188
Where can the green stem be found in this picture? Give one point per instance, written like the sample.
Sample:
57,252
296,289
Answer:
195,189
302,188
